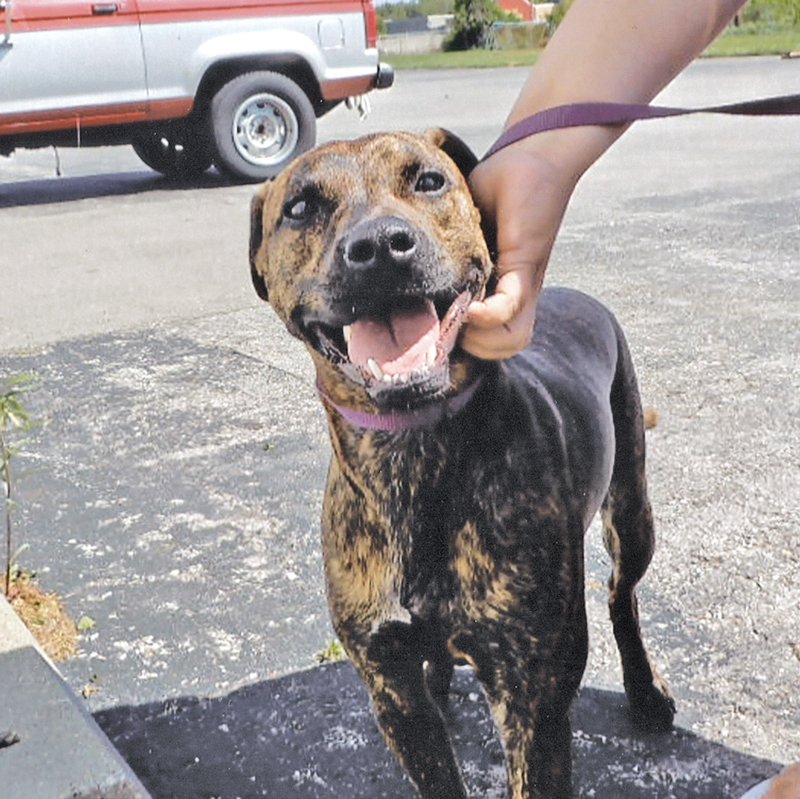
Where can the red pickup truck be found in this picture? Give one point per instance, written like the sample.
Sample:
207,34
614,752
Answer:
236,83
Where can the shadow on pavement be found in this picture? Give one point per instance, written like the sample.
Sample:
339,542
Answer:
312,735
46,191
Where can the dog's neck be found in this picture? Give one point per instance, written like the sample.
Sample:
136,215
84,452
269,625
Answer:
427,416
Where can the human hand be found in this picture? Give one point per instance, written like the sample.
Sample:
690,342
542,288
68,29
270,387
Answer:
522,196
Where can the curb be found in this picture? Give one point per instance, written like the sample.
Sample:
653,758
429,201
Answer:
50,747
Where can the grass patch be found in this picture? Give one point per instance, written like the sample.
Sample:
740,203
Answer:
332,653
464,59
747,40
43,614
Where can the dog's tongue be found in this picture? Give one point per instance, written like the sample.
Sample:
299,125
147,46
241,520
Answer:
404,343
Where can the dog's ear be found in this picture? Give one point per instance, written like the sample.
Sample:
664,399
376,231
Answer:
451,145
466,161
256,238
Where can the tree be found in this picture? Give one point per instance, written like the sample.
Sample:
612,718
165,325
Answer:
472,23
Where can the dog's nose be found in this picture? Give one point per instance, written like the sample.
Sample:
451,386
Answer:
384,242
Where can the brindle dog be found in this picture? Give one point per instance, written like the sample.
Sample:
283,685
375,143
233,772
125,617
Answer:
459,491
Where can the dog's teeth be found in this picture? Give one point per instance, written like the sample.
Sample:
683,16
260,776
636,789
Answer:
376,370
430,357
347,332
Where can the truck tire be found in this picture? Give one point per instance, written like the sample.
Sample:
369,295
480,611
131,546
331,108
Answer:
176,148
259,122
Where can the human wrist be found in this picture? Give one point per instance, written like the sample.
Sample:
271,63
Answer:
565,153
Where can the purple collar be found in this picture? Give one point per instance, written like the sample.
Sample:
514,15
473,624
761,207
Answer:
404,420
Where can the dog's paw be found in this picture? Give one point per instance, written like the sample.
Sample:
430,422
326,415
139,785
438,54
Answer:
652,709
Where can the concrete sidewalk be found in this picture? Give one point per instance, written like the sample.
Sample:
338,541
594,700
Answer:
50,747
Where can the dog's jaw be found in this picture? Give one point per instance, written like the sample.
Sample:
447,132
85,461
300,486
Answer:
403,360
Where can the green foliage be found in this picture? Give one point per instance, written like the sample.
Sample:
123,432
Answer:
14,418
472,25
743,41
764,27
519,36
332,653
554,20
13,415
772,12
464,59
86,623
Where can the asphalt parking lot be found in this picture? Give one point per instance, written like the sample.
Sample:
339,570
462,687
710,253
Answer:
173,495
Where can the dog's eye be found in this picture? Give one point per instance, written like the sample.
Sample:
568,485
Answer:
299,209
429,182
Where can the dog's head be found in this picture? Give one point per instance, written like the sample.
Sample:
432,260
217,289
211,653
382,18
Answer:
370,251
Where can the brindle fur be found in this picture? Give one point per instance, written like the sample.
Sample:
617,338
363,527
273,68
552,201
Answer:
464,540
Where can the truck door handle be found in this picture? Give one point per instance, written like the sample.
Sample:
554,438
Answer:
104,9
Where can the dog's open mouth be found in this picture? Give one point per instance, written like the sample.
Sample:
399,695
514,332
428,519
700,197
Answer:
400,351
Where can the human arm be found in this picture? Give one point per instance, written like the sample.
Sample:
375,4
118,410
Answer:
604,50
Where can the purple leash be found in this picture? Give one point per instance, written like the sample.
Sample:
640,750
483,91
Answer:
579,114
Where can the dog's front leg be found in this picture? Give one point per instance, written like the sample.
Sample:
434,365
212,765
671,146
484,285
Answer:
530,696
391,663
538,741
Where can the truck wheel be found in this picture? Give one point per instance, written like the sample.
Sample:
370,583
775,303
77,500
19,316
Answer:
259,122
176,149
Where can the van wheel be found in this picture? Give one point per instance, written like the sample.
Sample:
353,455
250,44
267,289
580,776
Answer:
259,122
176,149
